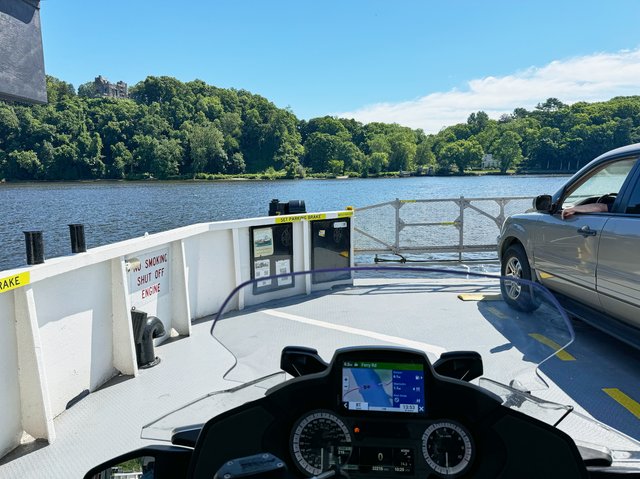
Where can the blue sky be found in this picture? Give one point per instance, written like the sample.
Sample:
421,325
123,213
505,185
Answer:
420,63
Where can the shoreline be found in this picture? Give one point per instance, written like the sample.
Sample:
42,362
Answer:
283,178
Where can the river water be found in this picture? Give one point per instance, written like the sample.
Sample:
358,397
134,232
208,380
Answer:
115,211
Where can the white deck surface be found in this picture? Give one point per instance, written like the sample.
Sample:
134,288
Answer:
108,422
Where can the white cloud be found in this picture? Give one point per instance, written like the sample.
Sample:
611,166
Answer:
596,77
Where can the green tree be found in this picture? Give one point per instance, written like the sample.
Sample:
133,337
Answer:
121,160
87,90
22,165
507,150
336,167
424,155
403,152
377,162
9,124
320,148
168,158
206,149
464,154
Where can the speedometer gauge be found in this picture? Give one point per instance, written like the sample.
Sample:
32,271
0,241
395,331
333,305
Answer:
318,441
447,448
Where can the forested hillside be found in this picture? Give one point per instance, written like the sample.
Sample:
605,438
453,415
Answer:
171,129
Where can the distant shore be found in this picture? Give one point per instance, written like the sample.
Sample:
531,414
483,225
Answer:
277,176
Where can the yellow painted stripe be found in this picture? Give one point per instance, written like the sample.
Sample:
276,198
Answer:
544,275
497,313
296,218
345,214
479,297
625,401
287,219
407,201
15,281
562,355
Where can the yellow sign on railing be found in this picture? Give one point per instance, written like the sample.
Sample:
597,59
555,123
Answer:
296,218
15,281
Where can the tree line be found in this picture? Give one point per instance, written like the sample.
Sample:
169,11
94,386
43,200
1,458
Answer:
172,129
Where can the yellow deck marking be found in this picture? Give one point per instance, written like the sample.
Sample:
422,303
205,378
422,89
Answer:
544,275
497,313
479,297
15,281
562,355
625,401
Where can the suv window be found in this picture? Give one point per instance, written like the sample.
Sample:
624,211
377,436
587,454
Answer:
606,180
633,206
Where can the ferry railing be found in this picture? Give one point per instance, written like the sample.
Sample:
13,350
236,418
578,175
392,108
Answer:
436,230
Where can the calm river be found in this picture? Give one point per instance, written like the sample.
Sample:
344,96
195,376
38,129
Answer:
114,211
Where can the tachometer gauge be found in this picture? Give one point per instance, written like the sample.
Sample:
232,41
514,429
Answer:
447,448
318,441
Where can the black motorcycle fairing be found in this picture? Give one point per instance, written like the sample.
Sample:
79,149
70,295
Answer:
507,443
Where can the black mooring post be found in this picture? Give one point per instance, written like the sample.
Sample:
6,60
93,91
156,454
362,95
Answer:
35,247
78,245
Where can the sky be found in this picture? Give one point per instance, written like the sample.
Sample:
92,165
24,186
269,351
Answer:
420,63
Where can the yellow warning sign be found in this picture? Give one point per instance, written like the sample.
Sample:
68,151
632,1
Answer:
296,218
15,281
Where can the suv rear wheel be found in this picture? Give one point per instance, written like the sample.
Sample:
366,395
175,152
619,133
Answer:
516,265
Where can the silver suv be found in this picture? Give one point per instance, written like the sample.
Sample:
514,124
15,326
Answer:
590,260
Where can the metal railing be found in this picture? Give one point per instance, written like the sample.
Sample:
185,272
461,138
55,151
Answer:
453,229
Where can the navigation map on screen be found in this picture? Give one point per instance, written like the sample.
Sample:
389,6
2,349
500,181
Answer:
388,387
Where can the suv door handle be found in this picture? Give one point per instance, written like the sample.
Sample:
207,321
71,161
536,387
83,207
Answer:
586,231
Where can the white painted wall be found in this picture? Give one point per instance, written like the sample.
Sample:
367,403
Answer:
76,334
210,271
70,329
11,428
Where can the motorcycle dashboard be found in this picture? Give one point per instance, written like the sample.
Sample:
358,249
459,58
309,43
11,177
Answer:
366,414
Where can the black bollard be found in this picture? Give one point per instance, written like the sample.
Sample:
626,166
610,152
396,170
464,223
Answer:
78,245
274,208
35,247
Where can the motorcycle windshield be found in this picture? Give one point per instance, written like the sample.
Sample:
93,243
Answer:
429,310
518,327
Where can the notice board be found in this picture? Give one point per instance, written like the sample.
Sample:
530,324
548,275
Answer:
271,254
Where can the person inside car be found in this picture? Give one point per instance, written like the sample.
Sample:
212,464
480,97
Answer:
590,208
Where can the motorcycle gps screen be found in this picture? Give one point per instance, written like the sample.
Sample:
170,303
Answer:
383,386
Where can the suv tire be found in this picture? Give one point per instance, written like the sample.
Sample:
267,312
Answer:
516,264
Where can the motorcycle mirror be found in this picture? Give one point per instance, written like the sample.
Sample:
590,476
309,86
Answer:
463,365
542,203
300,361
151,462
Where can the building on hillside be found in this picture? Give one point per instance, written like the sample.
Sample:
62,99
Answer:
489,162
105,88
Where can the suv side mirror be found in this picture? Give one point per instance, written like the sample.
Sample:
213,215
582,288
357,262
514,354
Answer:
542,203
